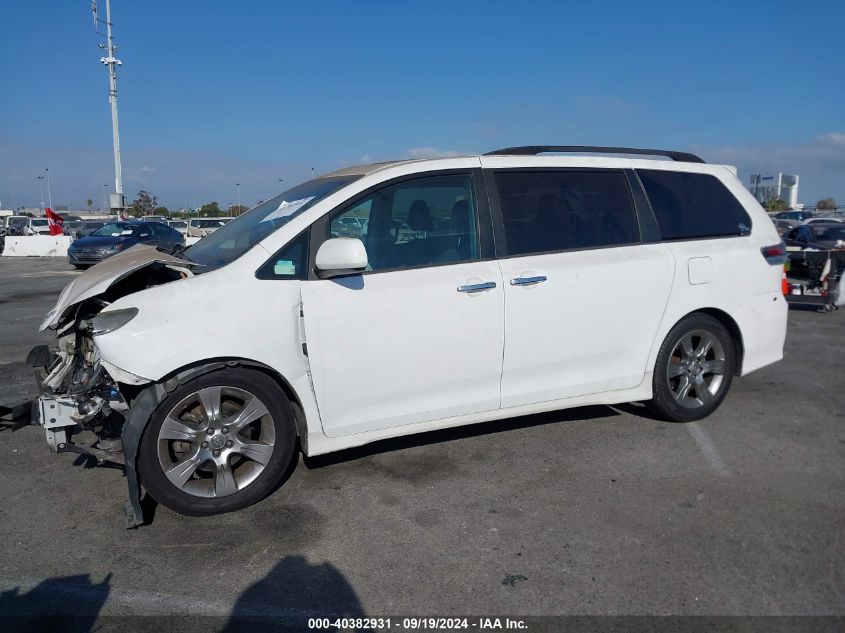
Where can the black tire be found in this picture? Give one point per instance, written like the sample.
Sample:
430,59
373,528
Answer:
80,266
674,365
162,489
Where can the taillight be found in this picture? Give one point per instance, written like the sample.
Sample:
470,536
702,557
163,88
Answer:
775,254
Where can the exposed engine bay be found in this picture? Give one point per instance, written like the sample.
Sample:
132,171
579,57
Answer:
83,408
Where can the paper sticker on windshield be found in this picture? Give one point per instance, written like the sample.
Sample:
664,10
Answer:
287,208
128,232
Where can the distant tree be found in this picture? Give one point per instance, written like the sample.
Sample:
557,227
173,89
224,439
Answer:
828,204
161,211
143,204
210,209
237,209
776,205
90,204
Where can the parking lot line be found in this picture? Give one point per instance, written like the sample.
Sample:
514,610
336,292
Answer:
708,449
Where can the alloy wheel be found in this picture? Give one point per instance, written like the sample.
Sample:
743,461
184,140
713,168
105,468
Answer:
216,441
696,369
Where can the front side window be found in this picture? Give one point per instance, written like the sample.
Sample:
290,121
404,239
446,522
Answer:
289,262
690,206
426,221
559,210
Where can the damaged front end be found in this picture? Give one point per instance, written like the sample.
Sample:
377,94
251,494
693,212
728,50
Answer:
85,402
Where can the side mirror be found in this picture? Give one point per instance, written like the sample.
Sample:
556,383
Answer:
341,256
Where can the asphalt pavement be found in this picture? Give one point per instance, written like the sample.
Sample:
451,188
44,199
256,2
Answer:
593,510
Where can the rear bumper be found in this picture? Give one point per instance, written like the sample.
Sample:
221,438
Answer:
762,321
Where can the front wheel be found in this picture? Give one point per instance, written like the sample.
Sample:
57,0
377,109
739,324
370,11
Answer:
218,443
694,369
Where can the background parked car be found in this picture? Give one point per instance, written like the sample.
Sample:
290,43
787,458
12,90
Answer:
88,227
118,236
17,224
784,226
823,220
179,225
72,227
816,236
794,215
154,218
39,226
200,227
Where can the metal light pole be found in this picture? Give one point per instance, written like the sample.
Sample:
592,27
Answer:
105,197
238,185
49,190
41,190
112,63
281,188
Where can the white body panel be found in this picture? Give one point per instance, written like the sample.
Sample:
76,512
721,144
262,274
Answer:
394,348
565,336
404,352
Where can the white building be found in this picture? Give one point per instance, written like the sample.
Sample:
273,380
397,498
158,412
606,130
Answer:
768,187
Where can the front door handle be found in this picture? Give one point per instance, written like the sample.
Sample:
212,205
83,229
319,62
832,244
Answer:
487,285
528,281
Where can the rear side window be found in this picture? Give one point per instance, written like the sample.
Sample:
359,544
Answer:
690,206
560,210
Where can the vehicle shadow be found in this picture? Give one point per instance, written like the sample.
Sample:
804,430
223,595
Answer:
461,432
290,594
70,604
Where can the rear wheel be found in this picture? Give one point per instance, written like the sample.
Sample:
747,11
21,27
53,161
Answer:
219,443
694,369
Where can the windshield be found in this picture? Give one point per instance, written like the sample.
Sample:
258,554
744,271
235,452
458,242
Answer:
17,221
178,224
114,230
236,237
38,222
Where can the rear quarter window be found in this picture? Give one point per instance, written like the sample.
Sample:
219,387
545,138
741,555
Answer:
690,206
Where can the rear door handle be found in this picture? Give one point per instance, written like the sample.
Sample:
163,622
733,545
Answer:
528,281
487,285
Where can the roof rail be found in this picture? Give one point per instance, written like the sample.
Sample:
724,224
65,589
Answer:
533,150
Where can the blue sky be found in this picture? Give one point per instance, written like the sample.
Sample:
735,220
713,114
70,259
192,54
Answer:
214,93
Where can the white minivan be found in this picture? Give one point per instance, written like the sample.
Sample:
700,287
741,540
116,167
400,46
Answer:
484,287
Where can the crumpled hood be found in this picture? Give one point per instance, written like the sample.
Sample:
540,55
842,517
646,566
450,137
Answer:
99,278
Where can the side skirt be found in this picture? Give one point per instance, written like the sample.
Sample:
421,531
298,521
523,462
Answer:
318,443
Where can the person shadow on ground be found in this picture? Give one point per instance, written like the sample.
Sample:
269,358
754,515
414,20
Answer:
292,593
70,604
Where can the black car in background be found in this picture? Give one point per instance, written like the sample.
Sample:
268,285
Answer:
819,237
118,236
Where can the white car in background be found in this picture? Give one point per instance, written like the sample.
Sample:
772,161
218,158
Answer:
179,225
38,226
819,220
200,227
486,287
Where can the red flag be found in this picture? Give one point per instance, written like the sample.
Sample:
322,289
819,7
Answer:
54,221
